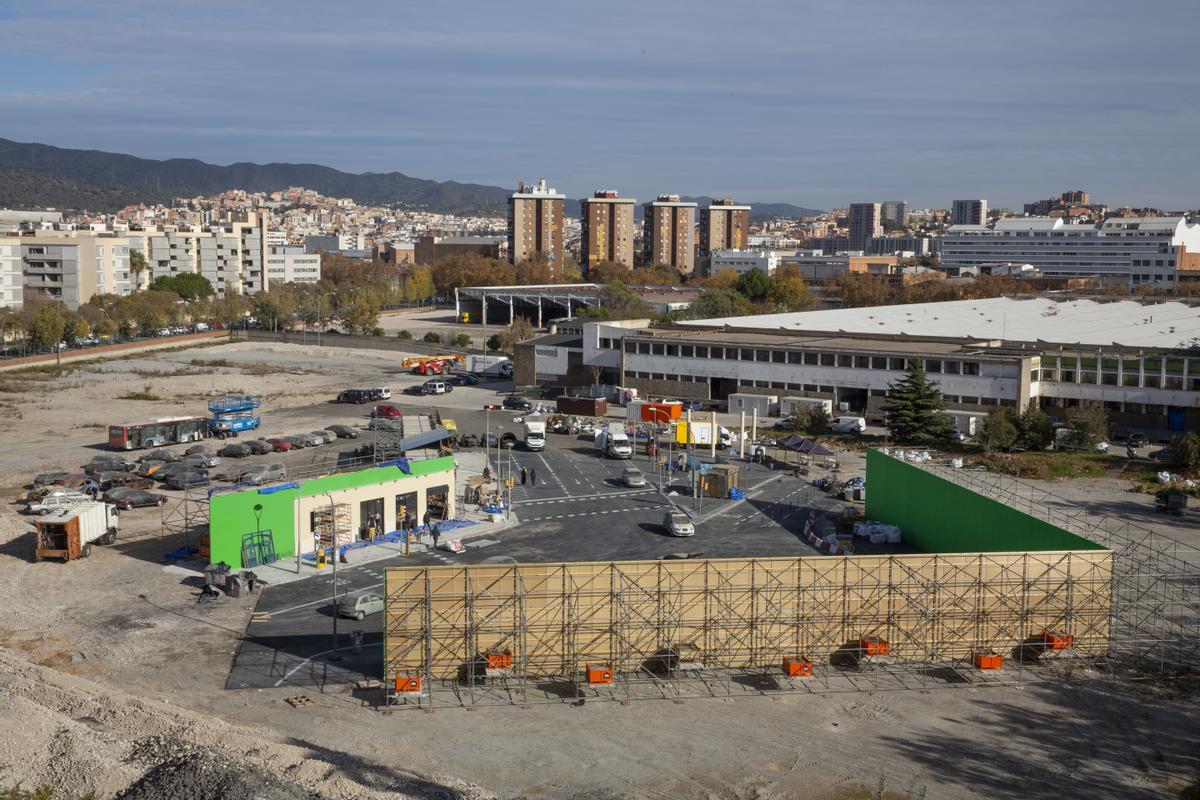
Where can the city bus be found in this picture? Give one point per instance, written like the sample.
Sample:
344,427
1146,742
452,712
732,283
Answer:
169,430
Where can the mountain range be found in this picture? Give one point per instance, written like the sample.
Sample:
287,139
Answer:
38,175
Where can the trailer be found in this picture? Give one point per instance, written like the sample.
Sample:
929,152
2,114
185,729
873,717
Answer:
582,406
490,366
70,533
790,405
767,405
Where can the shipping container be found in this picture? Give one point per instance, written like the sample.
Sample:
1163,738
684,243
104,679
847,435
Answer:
767,405
583,406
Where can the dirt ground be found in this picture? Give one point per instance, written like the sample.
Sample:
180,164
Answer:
112,675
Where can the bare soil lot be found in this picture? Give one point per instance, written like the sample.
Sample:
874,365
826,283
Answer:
112,674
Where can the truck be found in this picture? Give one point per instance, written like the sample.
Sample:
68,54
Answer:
490,366
582,406
612,440
233,414
700,433
69,533
535,433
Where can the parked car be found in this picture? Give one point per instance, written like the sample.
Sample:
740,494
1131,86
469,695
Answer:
463,379
508,440
326,436
390,425
171,470
186,479
234,450
135,498
692,405
279,444
49,478
381,393
386,411
354,396
297,442
169,456
196,448
633,477
359,606
202,460
552,392
468,440
148,469
108,464
263,473
436,387
311,439
54,502
343,431
415,388
111,480
259,447
678,524
516,403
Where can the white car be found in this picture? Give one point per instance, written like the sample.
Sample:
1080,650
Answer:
1101,447
678,524
382,392
435,387
56,502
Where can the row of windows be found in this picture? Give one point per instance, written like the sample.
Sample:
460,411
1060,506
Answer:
808,358
1128,379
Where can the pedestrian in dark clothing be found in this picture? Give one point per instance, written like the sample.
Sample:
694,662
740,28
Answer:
436,534
426,519
524,475
532,476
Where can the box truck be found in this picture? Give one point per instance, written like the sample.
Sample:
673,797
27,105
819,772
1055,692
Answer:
69,534
535,433
612,440
700,433
490,366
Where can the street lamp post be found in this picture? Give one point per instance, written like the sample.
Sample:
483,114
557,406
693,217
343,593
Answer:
670,450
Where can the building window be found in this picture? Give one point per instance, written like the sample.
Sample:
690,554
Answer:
778,356
672,350
811,387
828,360
878,362
702,352
862,362
686,350
644,348
760,384
897,364
970,368
717,352
970,401
811,359
933,365
845,361
656,350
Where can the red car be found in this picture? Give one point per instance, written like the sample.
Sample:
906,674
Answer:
279,444
386,410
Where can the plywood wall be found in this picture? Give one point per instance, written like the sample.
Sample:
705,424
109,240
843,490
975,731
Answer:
740,613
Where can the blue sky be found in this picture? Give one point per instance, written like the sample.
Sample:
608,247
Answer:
819,104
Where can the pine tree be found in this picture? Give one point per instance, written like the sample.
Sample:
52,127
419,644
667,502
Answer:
1037,431
915,410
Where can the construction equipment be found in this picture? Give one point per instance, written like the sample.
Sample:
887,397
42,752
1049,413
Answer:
433,365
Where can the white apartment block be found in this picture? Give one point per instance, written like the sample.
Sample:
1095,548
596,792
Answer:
1146,250
69,266
744,260
291,264
231,255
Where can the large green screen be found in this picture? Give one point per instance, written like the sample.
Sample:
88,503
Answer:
938,516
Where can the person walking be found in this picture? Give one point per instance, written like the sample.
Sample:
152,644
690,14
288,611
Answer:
524,475
435,534
532,476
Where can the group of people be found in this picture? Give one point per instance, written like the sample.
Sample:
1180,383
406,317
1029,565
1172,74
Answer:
528,476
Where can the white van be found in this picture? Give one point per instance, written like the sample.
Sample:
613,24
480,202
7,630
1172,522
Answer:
848,425
382,392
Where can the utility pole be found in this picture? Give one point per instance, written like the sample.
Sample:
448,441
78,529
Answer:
713,433
742,437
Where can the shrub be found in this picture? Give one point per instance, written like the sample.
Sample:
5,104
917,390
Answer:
404,335
377,331
432,337
462,340
493,343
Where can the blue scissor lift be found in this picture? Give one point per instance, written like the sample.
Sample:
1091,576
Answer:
233,414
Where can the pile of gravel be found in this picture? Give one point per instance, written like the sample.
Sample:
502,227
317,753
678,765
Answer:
184,772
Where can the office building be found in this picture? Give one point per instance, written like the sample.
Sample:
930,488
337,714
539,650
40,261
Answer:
969,212
669,233
535,224
606,230
983,354
1132,250
335,243
742,261
894,211
292,264
864,223
724,225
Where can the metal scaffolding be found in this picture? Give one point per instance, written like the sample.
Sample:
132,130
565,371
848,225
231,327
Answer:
525,633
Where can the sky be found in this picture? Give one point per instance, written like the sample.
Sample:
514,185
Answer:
817,104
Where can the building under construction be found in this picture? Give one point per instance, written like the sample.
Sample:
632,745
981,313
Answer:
1006,588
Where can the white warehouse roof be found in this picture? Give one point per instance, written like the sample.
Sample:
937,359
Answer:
1128,323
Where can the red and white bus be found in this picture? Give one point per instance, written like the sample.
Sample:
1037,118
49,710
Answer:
169,430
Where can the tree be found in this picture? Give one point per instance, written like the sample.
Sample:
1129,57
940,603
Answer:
188,285
858,290
754,285
137,266
462,340
810,420
789,292
618,302
719,303
404,335
914,409
494,343
1037,431
361,314
519,331
47,327
418,285
1089,426
1187,453
609,272
999,431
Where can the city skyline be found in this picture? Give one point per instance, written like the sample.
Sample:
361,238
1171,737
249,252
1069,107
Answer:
846,113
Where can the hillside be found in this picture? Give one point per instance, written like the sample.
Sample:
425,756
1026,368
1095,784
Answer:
33,175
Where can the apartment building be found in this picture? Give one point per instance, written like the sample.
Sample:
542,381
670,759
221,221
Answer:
1145,250
669,233
69,266
430,249
231,255
724,225
894,211
969,212
606,232
535,224
864,222
292,264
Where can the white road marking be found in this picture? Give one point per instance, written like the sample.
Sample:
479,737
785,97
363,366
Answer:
299,666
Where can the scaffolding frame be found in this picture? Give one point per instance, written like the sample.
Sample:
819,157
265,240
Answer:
186,516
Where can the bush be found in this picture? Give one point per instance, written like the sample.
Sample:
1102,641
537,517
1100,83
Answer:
377,331
462,340
404,335
432,337
493,343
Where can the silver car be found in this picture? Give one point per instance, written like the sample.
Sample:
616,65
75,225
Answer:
678,524
632,477
360,605
326,436
312,439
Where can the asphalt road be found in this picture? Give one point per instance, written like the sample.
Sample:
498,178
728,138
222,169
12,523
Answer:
573,508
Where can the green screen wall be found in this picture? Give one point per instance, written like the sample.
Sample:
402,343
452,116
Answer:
938,516
232,515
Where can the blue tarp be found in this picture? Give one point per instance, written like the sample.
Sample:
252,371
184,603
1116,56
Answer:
278,488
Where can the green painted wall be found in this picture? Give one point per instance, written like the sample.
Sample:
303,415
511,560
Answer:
232,514
938,516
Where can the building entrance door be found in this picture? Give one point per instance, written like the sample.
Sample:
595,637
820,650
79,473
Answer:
370,517
406,508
